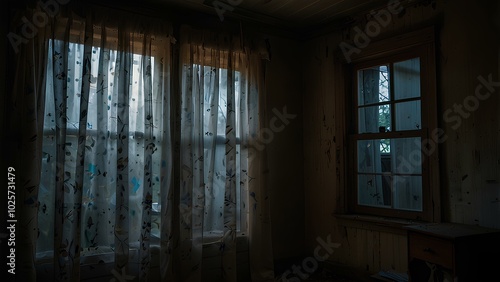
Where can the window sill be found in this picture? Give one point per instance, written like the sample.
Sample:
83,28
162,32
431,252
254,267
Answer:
105,254
376,223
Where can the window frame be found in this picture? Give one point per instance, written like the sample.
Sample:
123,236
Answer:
410,45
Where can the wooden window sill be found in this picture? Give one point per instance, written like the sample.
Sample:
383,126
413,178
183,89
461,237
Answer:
376,223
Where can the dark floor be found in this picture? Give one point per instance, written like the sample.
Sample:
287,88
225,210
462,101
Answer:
323,273
320,276
328,276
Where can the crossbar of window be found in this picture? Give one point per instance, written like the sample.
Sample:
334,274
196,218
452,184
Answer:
391,102
389,135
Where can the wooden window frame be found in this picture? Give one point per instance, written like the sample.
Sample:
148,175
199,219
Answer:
399,48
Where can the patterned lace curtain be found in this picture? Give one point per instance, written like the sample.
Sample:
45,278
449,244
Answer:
224,203
123,179
106,154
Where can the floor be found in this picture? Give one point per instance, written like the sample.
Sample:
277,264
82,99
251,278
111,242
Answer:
388,276
328,277
320,276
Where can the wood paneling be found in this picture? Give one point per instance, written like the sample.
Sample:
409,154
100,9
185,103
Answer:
469,160
471,164
284,151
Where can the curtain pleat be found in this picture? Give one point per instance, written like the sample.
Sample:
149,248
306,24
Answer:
147,193
260,239
62,243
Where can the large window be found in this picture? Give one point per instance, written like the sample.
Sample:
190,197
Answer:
98,204
103,134
393,118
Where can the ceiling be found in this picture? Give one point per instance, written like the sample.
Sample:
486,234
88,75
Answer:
291,14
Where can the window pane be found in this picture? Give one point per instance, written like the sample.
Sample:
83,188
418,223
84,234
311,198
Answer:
407,79
407,155
221,125
374,119
216,107
374,190
408,192
214,189
215,102
400,156
373,85
373,156
408,115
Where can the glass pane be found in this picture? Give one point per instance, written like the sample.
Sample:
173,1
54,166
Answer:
216,102
374,119
408,115
407,79
374,156
222,122
408,192
407,155
373,85
374,190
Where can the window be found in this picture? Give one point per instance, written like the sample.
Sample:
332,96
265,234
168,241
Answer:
393,117
214,78
98,204
101,139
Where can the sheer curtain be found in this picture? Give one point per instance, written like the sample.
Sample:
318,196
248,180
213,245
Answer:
223,194
106,162
125,179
